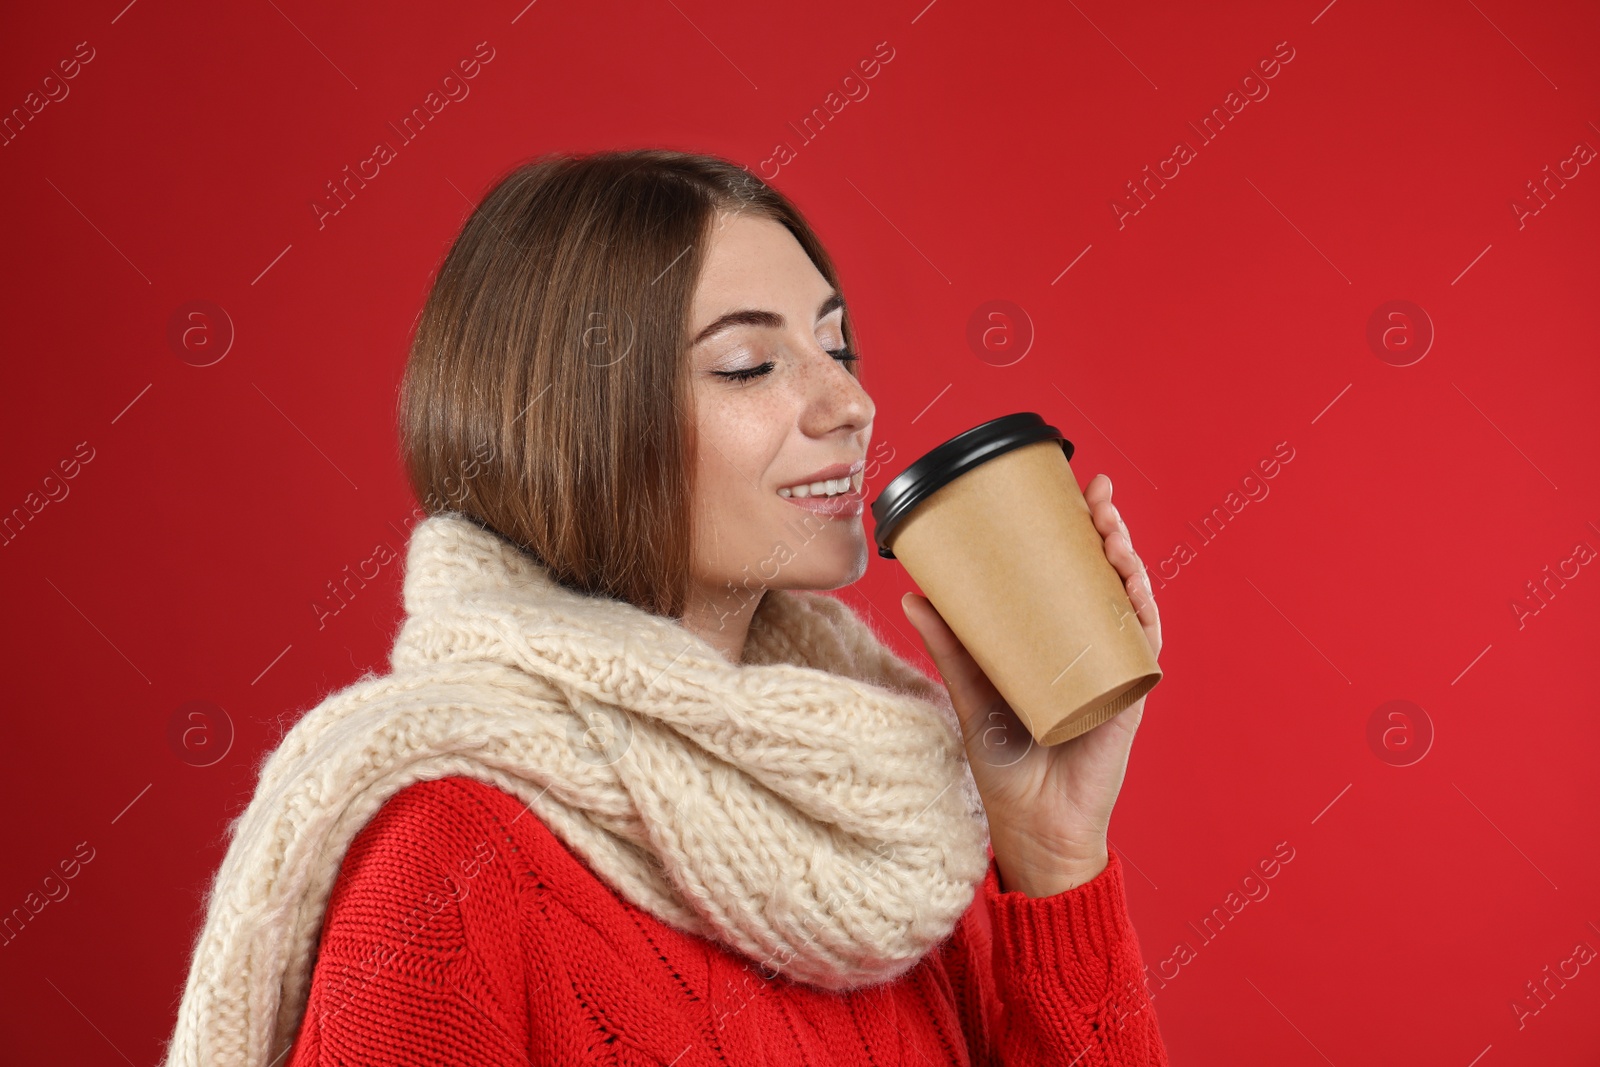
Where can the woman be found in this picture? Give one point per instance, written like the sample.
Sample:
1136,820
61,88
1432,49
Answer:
637,791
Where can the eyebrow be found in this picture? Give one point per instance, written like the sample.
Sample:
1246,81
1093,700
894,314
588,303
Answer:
759,317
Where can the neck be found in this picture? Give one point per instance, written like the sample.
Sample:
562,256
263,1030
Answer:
721,617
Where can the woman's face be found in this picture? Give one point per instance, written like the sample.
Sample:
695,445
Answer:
761,306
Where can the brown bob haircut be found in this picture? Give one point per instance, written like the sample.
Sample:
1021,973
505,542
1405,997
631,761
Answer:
546,395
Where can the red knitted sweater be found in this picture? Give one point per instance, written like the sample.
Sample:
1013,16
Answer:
461,931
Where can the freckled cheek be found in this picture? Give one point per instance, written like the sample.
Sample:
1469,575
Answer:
741,444
755,439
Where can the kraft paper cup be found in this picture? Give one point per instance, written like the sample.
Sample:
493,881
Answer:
993,528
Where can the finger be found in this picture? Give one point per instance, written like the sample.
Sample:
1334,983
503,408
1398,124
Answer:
1098,496
1142,596
955,664
1143,599
1108,520
1120,551
941,642
1135,578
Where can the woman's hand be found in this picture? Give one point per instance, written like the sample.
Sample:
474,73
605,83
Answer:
1048,808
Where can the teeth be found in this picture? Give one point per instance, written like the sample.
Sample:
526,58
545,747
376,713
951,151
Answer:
832,487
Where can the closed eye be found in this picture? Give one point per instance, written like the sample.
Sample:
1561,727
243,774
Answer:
746,374
843,355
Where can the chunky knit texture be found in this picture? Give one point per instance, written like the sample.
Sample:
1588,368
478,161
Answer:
462,932
809,808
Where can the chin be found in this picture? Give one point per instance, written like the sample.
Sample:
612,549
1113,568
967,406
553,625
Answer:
815,556
820,572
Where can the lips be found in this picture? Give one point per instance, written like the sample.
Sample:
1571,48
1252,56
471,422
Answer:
826,488
848,504
839,479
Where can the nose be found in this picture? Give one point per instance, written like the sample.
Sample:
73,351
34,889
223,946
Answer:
834,401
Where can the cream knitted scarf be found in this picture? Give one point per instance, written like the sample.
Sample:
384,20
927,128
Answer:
810,807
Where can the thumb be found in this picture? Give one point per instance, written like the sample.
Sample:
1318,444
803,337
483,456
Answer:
917,613
921,613
949,655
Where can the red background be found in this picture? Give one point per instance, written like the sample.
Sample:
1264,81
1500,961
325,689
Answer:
1226,317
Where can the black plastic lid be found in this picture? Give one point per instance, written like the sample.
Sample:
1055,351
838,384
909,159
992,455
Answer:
952,459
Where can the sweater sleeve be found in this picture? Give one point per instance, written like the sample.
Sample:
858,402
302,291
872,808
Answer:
1054,980
413,966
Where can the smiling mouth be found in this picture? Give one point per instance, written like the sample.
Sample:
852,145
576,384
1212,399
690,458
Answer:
832,487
